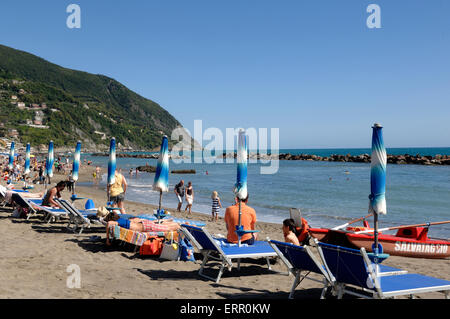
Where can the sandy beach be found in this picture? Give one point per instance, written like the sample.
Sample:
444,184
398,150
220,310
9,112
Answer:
35,258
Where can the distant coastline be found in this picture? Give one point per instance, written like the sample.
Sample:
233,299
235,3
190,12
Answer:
422,156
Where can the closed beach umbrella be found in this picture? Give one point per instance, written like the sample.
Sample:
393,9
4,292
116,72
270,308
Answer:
111,163
377,200
11,156
240,188
76,165
50,160
76,162
27,159
161,182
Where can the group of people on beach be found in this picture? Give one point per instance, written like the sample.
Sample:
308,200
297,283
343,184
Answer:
117,191
181,191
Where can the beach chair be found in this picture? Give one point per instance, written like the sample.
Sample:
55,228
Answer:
355,274
50,214
300,262
216,249
4,190
80,219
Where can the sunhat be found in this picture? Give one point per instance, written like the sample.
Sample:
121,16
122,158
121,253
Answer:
102,212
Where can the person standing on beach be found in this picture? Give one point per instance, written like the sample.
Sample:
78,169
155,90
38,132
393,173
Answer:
189,197
117,191
179,191
98,172
248,220
41,174
216,204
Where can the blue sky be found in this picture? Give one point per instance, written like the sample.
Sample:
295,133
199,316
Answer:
311,68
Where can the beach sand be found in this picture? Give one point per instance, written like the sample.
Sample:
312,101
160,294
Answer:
35,257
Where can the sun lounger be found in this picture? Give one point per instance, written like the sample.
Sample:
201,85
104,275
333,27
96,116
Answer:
354,273
300,261
225,253
80,219
50,214
4,191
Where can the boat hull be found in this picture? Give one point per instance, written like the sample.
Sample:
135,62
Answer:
406,247
392,245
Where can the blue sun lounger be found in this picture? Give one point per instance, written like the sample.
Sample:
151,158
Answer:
300,262
355,274
79,218
225,253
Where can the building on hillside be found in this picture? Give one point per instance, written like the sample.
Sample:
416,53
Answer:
21,105
13,133
38,117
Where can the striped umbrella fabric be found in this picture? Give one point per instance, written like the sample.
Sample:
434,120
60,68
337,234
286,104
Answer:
27,159
112,162
161,182
240,188
50,160
11,156
76,162
377,198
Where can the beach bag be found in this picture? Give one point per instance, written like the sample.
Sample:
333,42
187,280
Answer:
186,250
170,249
152,246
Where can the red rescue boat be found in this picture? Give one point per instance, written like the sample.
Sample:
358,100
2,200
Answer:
409,241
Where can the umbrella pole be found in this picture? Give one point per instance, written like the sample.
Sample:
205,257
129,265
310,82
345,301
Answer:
375,234
239,236
160,201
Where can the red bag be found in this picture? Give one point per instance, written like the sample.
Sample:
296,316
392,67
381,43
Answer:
152,246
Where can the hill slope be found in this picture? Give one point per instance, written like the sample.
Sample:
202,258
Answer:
80,105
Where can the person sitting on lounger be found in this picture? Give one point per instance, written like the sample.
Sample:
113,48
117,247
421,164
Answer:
248,220
290,232
52,193
136,224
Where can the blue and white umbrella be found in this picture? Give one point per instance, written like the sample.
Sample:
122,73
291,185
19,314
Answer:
27,159
161,182
11,156
111,164
240,188
377,200
50,160
76,162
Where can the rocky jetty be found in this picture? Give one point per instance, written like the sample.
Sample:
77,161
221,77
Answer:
146,168
184,171
363,158
152,169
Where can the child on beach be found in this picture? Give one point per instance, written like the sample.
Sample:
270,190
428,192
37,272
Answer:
216,204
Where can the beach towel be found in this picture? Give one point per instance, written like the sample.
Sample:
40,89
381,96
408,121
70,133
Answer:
223,243
149,226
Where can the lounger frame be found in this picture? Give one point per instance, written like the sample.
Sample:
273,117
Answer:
300,273
375,276
75,217
226,261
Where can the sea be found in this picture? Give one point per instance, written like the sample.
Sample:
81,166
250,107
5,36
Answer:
328,194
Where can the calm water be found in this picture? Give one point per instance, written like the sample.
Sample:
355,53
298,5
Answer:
327,193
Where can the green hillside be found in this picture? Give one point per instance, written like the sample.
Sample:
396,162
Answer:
79,105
